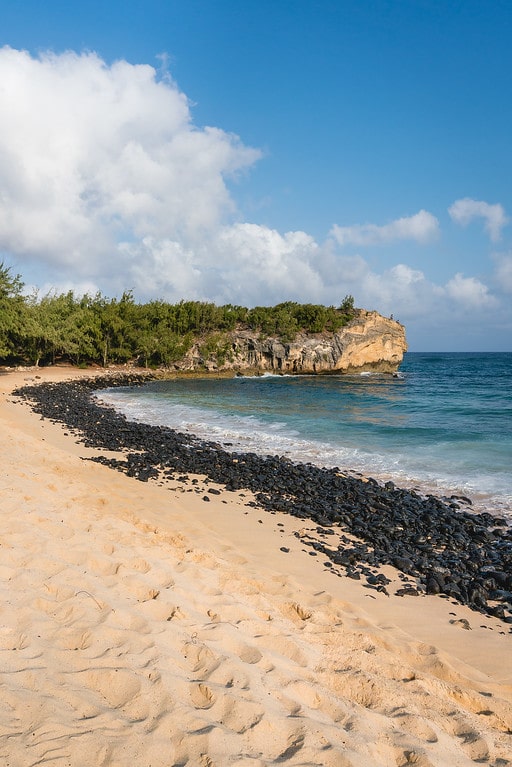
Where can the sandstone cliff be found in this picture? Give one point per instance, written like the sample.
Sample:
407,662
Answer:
369,342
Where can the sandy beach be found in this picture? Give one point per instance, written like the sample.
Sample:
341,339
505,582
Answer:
142,626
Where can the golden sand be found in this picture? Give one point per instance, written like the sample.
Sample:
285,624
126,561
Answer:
142,627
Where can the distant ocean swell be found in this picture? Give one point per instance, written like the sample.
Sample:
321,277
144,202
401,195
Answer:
444,425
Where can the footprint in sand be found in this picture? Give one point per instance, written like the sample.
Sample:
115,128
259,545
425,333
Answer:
80,609
121,694
277,743
116,686
296,611
12,639
417,726
127,620
202,696
472,742
73,639
103,565
137,563
59,592
162,577
286,648
248,654
161,610
412,756
305,694
240,715
200,659
139,588
230,676
361,688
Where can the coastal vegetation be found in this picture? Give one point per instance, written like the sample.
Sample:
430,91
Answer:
41,330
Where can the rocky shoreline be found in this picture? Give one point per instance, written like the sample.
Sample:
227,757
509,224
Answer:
437,545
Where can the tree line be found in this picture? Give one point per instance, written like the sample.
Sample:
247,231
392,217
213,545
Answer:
88,329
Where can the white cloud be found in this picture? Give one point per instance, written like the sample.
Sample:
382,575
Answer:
93,155
406,276
404,292
470,292
262,262
421,227
465,210
106,184
408,294
504,271
241,263
159,268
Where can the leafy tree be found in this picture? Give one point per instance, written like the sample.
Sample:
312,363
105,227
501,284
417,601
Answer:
347,306
172,348
116,327
103,330
216,347
39,329
11,312
80,331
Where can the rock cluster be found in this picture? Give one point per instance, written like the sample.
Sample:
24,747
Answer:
439,546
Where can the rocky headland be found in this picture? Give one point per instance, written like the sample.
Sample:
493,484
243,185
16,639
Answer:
369,342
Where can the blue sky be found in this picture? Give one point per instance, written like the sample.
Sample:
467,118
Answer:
260,151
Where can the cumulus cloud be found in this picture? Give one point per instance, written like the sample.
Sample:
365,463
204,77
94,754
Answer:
465,210
106,183
470,292
421,227
240,263
92,156
264,262
402,291
409,295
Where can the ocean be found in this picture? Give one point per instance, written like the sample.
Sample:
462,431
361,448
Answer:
443,425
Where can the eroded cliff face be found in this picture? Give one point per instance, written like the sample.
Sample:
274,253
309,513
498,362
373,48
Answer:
370,342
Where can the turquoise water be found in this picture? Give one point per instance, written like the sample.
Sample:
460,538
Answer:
444,425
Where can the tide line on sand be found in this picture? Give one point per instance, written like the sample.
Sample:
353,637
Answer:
142,626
